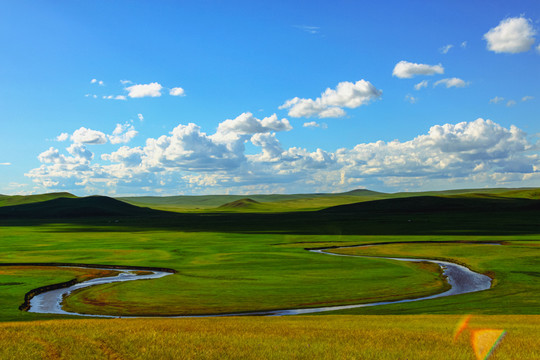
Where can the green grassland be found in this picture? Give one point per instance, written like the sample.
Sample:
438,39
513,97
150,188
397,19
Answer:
238,253
229,272
302,337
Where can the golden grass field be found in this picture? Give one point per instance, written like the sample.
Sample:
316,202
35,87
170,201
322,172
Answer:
298,337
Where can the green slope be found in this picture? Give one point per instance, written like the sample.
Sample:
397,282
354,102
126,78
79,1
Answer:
10,200
307,202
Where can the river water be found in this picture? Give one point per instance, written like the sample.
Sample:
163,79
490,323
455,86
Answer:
461,279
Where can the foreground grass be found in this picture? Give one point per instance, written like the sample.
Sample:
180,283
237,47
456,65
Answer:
303,337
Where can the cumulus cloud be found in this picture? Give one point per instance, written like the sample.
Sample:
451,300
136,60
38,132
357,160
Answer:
421,84
127,156
246,124
511,103
512,35
144,90
96,81
189,160
315,125
88,136
114,97
496,100
80,155
122,134
177,91
445,49
464,44
406,70
411,99
141,117
62,137
527,98
331,102
451,82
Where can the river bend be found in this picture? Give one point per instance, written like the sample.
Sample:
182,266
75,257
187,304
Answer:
461,279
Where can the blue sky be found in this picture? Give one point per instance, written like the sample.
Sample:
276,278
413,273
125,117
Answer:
206,97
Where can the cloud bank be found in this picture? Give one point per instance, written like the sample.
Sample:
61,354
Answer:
188,160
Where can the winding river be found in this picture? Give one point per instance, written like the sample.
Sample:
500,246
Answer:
461,279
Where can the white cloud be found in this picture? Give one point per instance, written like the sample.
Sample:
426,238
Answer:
511,103
80,156
411,99
123,133
309,29
62,137
189,160
315,124
464,44
331,102
496,100
177,91
79,153
140,116
144,90
421,84
451,82
96,81
125,82
527,98
406,70
247,124
512,35
445,49
5,164
114,97
128,156
88,136
538,48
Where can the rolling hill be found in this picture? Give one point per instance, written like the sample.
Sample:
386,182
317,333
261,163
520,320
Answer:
10,200
66,208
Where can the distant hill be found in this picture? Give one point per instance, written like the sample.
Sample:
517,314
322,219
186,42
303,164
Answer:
437,204
9,200
245,203
461,214
268,202
65,208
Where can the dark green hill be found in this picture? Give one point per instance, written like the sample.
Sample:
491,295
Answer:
65,208
9,200
437,204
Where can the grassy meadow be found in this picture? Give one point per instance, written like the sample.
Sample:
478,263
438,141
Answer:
239,260
228,272
300,337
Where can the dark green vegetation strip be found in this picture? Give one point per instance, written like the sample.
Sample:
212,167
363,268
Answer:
398,216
